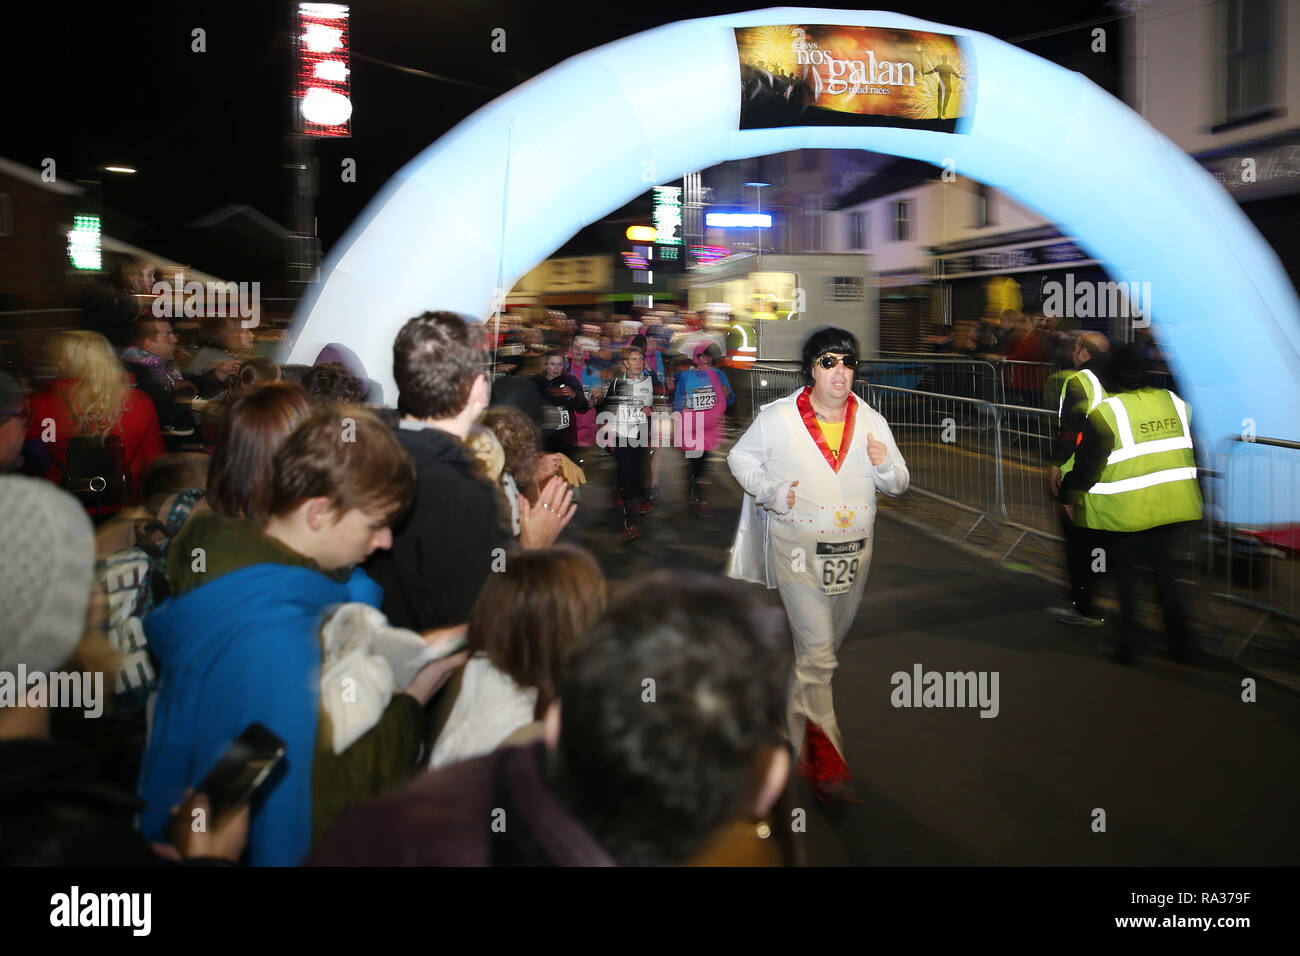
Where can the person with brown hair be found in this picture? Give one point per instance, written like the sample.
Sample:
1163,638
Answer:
446,549
224,344
333,382
237,641
522,626
239,476
521,441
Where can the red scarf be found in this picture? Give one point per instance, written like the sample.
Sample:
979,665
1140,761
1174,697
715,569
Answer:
804,401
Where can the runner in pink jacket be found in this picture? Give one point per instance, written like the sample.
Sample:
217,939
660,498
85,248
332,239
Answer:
702,396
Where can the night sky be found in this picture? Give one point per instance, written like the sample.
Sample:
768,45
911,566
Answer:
103,86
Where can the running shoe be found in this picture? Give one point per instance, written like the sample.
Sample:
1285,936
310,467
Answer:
1071,616
702,510
630,531
823,769
647,507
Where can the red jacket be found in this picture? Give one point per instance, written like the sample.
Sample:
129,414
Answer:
138,428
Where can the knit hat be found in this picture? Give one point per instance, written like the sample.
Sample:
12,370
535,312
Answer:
46,570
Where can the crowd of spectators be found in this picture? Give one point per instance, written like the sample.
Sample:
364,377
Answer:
228,542
1030,353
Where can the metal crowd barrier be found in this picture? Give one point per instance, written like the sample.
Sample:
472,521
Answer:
1255,566
991,460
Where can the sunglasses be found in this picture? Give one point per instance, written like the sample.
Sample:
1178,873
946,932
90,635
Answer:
829,361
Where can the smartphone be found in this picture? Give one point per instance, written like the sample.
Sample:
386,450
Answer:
241,772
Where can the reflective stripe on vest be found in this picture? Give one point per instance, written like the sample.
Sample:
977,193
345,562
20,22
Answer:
1149,483
1131,449
1142,481
1096,390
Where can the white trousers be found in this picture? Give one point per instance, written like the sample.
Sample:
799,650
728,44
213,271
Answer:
819,623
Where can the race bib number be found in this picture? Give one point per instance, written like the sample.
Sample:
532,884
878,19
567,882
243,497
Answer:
702,399
629,411
563,419
837,565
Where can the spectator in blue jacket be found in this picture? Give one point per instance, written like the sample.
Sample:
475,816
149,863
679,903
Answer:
237,640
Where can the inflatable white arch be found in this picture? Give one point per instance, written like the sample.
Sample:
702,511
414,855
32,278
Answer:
513,182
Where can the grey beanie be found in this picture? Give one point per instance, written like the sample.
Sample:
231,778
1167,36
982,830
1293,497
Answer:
46,571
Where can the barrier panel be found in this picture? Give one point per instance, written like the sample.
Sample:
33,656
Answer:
1255,566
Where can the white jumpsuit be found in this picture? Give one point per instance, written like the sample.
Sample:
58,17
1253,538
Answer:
818,553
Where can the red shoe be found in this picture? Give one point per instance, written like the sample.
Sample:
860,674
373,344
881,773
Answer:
647,507
702,510
630,532
823,769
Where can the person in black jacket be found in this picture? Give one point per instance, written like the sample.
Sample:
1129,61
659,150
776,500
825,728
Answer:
451,540
1081,392
511,389
565,398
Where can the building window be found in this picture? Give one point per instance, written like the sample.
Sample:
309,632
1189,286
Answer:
812,223
984,207
857,230
903,220
1249,53
6,214
846,289
559,273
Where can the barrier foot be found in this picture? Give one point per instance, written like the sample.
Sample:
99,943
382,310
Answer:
1015,545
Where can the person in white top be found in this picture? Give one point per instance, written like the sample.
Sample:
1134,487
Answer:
525,621
810,466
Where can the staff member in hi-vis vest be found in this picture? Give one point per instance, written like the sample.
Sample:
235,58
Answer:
1081,393
1134,483
810,465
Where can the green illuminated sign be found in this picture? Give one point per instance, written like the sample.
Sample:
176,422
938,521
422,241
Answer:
668,215
84,246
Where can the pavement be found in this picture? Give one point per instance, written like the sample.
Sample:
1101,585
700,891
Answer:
1086,763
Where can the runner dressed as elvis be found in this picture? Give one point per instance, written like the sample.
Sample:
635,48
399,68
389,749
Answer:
810,466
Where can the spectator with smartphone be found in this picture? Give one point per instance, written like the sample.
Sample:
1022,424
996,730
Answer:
57,808
237,640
